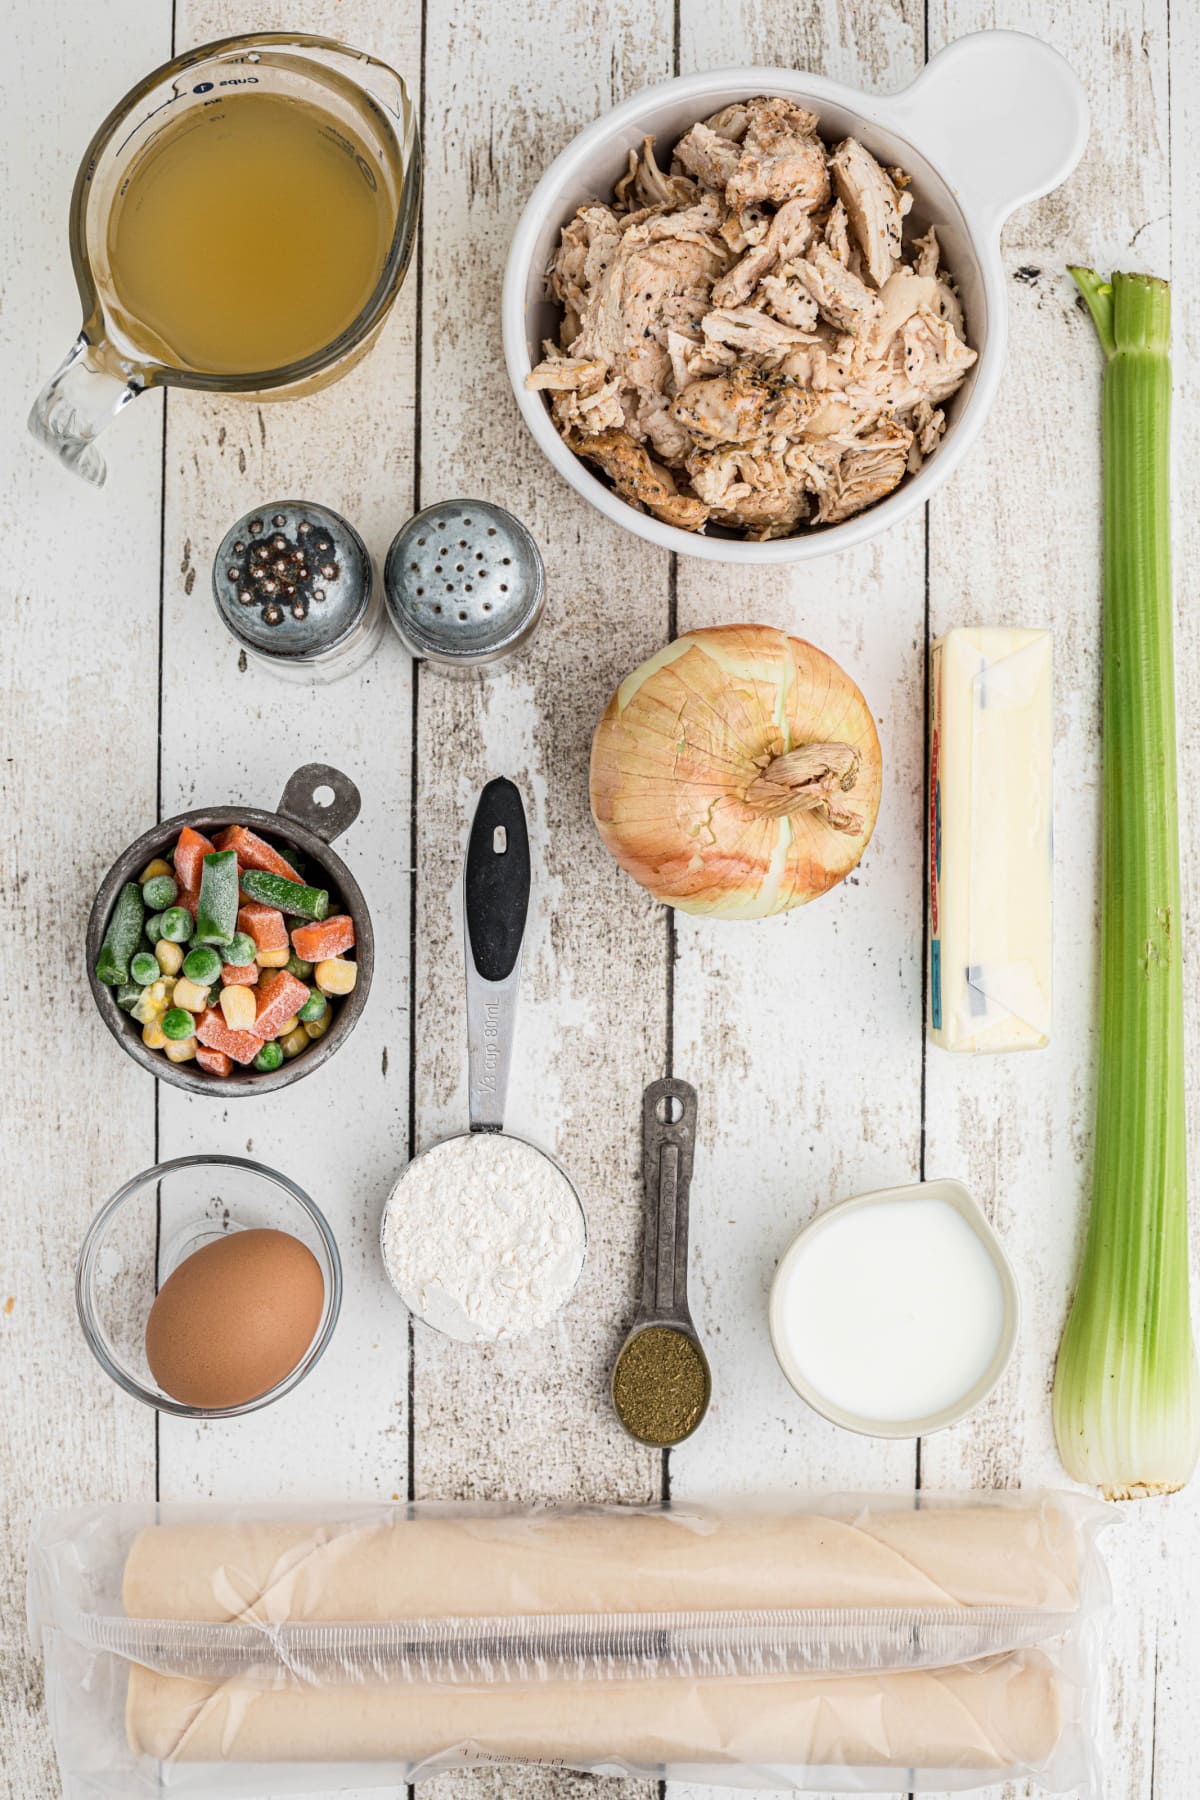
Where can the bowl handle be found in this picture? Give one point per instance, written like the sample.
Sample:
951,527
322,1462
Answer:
299,801
1001,115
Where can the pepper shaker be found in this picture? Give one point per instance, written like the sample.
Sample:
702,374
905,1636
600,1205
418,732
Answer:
294,585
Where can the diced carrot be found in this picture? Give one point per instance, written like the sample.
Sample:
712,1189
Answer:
313,943
215,1061
279,997
254,852
190,853
264,924
234,976
214,1034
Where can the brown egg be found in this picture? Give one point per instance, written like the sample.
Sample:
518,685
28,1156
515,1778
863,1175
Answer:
235,1318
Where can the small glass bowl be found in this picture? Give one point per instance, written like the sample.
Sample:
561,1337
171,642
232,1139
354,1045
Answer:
151,1225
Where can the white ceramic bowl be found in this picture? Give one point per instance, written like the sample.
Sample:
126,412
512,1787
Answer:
950,1193
994,120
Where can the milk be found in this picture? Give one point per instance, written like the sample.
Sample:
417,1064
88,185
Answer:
891,1310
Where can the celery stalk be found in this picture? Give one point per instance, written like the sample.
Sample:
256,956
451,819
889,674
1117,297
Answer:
1126,1392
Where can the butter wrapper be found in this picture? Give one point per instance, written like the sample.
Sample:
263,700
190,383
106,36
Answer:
991,847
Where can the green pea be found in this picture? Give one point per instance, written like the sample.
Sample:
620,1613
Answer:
153,927
177,925
202,965
160,892
178,1024
144,968
297,966
314,1007
242,951
269,1057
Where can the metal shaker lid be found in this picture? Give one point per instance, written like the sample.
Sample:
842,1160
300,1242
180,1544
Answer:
292,580
464,583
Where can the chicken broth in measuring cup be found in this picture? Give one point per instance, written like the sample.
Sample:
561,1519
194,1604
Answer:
248,235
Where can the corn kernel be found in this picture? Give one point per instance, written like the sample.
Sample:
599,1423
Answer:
288,1026
316,1028
237,1007
190,995
170,956
146,1009
294,1043
180,1049
157,867
272,959
336,976
153,1036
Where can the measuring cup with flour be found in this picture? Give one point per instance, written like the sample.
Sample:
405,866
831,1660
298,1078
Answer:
483,1235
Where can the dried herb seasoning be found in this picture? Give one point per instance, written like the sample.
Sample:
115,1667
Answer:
660,1385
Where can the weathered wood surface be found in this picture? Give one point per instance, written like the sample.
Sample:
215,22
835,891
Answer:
803,1035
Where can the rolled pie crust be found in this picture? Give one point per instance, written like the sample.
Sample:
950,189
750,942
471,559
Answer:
1002,1712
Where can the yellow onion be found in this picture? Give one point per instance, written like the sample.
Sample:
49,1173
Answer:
737,772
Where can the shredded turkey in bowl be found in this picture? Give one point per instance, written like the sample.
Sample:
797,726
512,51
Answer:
747,338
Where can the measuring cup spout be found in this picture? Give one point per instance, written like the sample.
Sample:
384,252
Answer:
78,401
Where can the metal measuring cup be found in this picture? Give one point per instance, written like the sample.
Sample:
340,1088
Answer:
496,887
668,1148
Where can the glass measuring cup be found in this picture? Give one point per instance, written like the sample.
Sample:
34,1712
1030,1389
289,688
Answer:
364,113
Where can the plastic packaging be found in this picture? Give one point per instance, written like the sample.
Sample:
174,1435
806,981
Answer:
855,1645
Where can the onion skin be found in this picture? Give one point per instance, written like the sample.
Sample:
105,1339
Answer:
680,746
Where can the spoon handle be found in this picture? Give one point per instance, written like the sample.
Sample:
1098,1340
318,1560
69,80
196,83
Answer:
496,881
668,1148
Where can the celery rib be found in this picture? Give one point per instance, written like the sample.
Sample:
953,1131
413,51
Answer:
1126,1393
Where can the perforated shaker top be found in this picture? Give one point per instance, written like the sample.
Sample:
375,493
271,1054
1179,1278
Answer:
464,583
292,580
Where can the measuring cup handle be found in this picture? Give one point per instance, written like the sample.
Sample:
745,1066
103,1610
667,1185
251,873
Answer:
299,800
1002,115
496,884
75,405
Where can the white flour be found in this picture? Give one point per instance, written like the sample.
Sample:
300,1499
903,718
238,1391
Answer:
483,1237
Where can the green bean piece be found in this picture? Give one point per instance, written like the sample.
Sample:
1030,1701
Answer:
217,907
122,937
286,896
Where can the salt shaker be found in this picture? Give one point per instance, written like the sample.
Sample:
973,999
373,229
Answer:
465,584
294,585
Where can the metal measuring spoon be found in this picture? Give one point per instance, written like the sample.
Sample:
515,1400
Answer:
668,1147
464,583
496,887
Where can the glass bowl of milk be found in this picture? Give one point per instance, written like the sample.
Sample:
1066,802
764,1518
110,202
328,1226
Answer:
895,1313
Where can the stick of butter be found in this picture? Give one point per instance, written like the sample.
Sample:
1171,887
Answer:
991,847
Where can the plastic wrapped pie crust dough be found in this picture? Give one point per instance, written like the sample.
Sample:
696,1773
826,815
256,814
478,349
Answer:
770,1648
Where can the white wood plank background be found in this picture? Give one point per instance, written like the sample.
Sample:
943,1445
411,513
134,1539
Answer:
803,1034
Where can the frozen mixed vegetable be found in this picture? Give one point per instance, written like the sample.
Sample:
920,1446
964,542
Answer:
203,956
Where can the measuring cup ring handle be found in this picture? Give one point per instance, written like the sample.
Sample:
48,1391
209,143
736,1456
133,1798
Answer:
326,821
